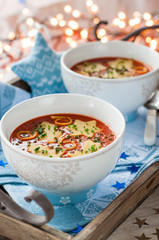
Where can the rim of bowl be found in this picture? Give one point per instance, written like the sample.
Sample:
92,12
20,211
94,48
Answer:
81,158
114,80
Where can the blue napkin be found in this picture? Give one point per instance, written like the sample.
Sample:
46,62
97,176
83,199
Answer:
135,158
9,96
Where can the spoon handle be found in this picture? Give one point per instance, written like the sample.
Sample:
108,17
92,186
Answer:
150,128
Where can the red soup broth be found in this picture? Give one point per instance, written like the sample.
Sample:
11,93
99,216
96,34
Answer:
111,68
62,135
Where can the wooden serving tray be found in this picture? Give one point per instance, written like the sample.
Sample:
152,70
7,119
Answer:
101,227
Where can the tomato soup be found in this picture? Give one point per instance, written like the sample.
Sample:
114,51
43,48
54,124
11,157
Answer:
62,135
111,68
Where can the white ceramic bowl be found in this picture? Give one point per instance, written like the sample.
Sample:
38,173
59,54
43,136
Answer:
126,94
70,177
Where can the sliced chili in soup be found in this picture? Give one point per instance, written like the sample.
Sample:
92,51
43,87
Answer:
111,68
62,135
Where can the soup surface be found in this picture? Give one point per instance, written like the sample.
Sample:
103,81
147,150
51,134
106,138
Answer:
111,68
62,135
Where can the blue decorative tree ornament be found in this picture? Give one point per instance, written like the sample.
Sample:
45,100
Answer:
41,69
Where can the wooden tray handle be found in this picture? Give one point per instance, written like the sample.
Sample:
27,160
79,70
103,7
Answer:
11,208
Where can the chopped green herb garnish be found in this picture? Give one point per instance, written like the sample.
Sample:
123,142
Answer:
93,66
36,149
97,139
87,130
57,149
40,130
44,151
93,148
55,128
43,135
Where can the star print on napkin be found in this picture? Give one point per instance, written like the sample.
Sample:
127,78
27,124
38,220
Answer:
41,69
2,163
119,185
133,168
79,228
124,155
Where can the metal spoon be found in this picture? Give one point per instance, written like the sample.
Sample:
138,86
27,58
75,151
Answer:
150,128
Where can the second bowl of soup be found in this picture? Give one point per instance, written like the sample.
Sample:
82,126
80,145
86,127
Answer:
122,73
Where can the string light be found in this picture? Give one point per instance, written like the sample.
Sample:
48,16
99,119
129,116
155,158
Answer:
122,15
104,39
116,21
76,13
59,16
73,44
30,21
26,42
68,31
84,34
53,21
32,32
68,39
122,24
96,20
11,35
26,11
74,31
89,3
153,44
148,39
62,23
101,33
67,8
8,68
131,22
146,16
137,20
94,8
149,23
7,47
73,24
